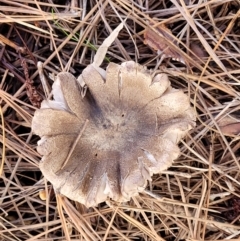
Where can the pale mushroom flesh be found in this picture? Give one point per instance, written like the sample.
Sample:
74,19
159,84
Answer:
134,124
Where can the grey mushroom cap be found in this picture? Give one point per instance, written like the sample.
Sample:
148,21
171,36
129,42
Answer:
135,123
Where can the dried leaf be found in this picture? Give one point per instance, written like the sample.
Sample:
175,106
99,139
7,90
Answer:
199,52
231,129
161,39
229,125
100,55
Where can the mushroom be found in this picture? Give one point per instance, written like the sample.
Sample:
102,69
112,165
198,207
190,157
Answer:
110,142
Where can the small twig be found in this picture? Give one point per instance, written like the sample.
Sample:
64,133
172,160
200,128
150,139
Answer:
10,43
74,144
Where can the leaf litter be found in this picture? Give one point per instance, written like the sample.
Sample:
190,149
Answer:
174,206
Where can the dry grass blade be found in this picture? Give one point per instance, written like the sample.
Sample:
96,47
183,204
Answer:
63,220
198,198
3,142
140,226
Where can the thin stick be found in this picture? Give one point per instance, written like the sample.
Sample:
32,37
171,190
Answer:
74,144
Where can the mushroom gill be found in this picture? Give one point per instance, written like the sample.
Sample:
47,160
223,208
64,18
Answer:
134,124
